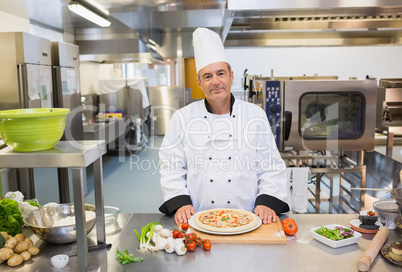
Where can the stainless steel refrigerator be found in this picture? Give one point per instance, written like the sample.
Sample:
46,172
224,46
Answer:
25,82
66,85
67,94
26,71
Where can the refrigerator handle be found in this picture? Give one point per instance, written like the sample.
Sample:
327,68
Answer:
288,125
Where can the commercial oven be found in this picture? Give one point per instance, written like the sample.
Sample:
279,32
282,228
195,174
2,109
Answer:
389,104
327,115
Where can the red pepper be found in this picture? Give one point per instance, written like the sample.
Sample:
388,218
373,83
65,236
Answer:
289,226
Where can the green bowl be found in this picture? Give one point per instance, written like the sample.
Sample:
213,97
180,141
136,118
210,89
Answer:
27,130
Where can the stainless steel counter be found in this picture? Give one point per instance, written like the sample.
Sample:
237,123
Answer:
75,155
107,131
301,253
42,263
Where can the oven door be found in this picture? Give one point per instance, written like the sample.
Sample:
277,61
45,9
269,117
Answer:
331,115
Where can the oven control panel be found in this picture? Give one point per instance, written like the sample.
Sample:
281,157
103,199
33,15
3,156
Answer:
273,107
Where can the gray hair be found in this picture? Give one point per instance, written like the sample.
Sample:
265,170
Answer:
229,68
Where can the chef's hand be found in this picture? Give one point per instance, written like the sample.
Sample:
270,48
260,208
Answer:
183,214
266,214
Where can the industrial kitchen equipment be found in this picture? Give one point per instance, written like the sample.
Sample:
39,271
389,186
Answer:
319,115
67,94
26,82
66,85
389,109
389,104
128,99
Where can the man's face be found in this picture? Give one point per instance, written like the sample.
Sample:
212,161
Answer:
216,81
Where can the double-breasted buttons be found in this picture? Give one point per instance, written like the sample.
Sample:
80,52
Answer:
228,201
211,180
229,180
212,202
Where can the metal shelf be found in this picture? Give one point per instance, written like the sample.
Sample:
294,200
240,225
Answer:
328,165
75,155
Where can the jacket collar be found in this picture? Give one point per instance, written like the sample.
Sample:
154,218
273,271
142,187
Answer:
232,100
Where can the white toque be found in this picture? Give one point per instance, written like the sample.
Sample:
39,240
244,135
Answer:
208,48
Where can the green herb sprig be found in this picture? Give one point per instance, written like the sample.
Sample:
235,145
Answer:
125,258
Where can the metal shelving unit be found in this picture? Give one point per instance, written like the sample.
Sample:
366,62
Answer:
329,166
76,155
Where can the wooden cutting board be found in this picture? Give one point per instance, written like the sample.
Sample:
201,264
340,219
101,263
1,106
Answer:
264,234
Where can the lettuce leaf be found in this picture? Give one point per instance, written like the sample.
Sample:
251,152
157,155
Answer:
34,203
10,217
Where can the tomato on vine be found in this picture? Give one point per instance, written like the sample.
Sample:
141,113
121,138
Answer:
184,226
176,233
191,246
207,245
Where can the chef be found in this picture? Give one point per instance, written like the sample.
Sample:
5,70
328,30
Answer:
219,152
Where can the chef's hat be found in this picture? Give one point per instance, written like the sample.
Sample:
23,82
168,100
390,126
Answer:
208,48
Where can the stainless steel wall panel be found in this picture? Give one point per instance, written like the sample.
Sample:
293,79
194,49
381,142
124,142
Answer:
165,101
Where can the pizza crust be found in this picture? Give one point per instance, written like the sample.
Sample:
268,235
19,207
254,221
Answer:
226,229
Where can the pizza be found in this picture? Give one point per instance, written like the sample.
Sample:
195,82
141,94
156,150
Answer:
226,220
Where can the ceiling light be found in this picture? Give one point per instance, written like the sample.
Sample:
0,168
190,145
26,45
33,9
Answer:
88,14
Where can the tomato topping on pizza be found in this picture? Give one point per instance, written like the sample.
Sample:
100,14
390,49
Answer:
226,220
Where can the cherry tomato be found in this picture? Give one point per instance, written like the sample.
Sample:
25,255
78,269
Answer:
191,236
180,235
176,233
191,246
207,245
194,235
184,226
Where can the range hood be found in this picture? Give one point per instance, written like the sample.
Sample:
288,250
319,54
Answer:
251,23
256,23
109,46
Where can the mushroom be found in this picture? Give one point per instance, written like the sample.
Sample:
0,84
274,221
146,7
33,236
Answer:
165,233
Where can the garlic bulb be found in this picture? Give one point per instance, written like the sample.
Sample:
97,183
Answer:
169,247
161,243
179,241
180,249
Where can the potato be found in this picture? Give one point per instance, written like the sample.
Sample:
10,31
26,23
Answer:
11,243
20,237
5,234
21,247
15,260
26,255
29,241
33,250
6,253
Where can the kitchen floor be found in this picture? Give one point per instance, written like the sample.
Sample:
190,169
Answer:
131,180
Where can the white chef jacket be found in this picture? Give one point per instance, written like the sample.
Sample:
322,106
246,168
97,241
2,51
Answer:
221,161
